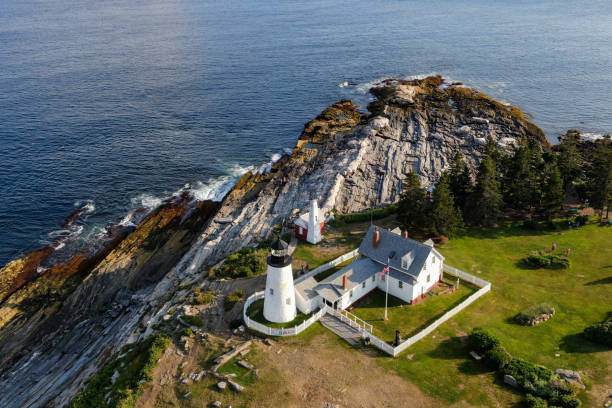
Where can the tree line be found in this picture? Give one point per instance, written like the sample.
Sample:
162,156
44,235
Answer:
531,182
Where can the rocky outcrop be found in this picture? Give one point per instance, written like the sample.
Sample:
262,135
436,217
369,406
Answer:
56,330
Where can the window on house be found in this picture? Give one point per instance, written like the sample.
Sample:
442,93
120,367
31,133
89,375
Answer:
363,284
401,284
373,278
433,259
271,291
428,278
351,295
288,301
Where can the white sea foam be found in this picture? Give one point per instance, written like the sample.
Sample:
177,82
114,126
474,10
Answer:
364,88
592,136
146,200
88,206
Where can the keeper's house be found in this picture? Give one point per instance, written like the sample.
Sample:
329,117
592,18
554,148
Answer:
414,268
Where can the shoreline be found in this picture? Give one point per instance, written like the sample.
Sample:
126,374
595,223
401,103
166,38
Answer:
337,160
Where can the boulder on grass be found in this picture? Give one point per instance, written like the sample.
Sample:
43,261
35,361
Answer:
571,377
510,380
235,386
221,385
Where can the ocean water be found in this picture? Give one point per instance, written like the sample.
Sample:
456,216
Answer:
116,104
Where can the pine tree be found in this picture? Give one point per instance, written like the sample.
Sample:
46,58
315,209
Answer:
460,181
600,177
552,197
570,161
412,206
522,179
486,200
445,217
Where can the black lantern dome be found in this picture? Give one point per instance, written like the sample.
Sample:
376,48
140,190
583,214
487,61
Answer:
279,256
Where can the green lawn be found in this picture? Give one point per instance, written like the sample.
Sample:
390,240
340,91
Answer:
255,312
581,296
408,319
243,376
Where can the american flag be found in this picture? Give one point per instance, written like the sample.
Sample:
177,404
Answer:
385,270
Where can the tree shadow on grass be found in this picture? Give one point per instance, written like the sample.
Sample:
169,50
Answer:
512,229
577,343
499,381
456,348
604,281
450,349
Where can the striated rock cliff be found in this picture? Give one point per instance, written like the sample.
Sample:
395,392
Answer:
58,327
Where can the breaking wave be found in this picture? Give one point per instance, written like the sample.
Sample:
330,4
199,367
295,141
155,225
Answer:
592,136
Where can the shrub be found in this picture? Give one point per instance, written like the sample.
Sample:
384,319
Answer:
581,220
187,332
246,263
600,333
135,369
527,315
569,401
525,372
192,320
232,299
482,341
200,298
497,358
550,261
532,401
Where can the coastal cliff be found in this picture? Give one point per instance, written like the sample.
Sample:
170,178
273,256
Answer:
58,326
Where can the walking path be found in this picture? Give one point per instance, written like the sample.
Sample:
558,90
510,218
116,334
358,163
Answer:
348,333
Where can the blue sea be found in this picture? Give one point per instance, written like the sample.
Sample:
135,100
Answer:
111,105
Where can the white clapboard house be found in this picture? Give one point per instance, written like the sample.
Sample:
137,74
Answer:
414,268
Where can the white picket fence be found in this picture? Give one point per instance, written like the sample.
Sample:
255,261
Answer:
326,266
484,288
365,328
271,331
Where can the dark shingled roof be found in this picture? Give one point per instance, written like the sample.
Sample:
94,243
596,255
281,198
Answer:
391,242
358,271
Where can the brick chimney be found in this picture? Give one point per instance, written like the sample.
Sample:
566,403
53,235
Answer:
405,234
376,238
345,282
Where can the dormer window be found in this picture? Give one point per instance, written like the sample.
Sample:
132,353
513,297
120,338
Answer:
407,261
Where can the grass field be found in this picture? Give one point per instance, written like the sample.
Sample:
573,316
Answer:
408,319
581,296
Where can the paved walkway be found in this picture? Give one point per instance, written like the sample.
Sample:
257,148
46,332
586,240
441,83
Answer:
348,333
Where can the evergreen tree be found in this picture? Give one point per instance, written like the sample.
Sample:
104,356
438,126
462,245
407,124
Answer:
552,197
445,217
412,206
460,181
522,179
570,161
486,200
600,177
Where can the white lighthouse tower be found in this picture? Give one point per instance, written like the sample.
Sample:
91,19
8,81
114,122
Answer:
279,299
314,223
